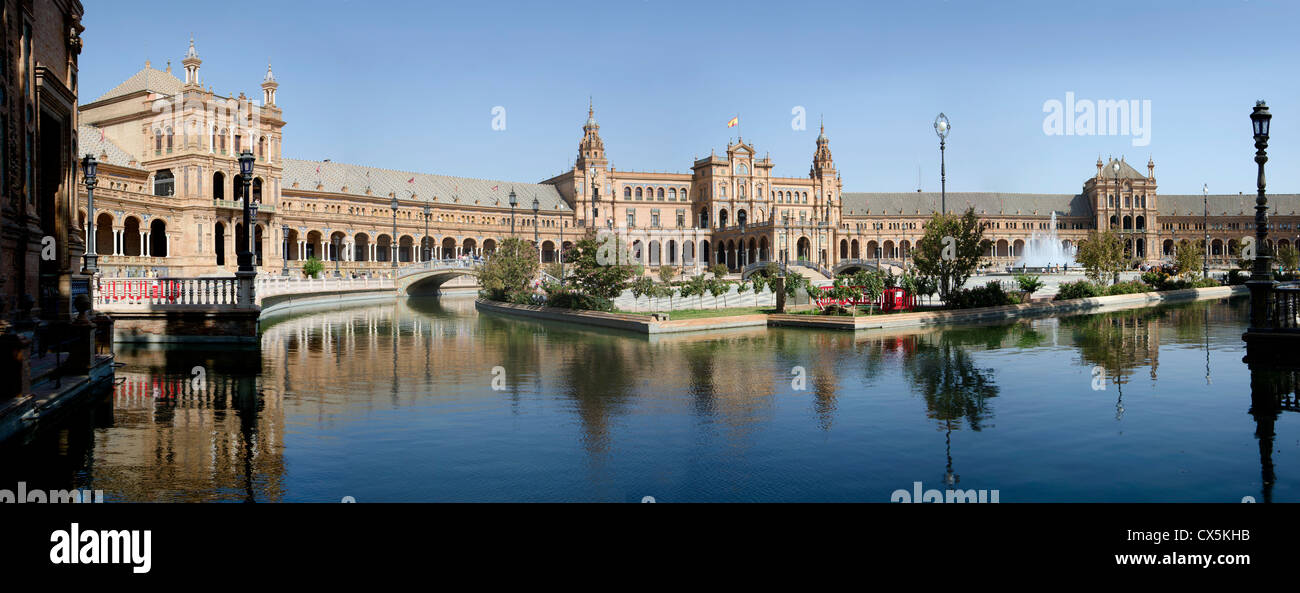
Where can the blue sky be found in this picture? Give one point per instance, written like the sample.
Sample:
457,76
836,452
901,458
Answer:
412,85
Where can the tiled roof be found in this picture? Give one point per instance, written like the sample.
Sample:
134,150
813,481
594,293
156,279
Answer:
91,140
985,203
435,189
1232,204
1125,171
150,79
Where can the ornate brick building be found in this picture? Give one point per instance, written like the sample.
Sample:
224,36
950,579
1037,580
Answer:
39,252
166,201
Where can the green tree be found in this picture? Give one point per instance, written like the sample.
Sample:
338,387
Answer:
642,286
666,273
597,274
1188,258
794,281
718,270
1288,257
1029,284
871,284
718,287
1101,254
312,267
508,274
950,250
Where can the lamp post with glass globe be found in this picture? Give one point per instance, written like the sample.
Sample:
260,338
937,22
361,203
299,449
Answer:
245,274
424,241
536,239
514,201
284,255
942,127
1261,276
89,264
393,205
245,257
1205,226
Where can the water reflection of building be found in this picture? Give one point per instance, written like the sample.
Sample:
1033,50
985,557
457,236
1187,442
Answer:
180,436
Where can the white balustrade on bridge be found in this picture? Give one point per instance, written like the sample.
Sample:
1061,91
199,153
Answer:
179,292
123,294
268,286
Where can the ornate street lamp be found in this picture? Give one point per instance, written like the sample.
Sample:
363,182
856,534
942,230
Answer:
393,241
89,264
595,199
252,235
942,127
1261,276
338,254
1205,226
284,232
245,257
514,201
424,249
537,242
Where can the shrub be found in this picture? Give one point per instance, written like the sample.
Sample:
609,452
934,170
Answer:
312,267
1130,287
1236,277
1029,284
992,294
1081,289
570,299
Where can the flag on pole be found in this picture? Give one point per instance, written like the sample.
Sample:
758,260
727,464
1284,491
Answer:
411,180
735,121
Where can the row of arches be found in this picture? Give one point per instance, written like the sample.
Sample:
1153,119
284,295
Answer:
1128,223
133,238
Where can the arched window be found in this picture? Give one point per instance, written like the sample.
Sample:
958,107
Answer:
257,189
672,194
223,141
741,169
171,136
164,184
660,195
218,186
261,148
639,193
157,141
627,193
722,190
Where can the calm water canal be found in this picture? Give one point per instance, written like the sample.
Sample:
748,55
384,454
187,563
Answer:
427,400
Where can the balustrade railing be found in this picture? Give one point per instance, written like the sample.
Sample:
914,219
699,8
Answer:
199,292
267,286
1284,308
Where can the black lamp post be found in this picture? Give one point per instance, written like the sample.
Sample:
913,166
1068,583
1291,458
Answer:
89,265
393,206
1261,276
595,199
284,232
514,201
245,186
338,247
941,127
537,241
252,235
1205,226
424,242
